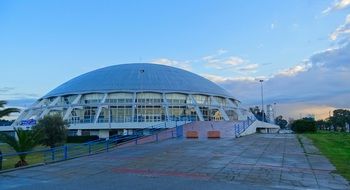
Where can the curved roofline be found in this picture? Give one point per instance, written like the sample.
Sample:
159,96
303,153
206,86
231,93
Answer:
137,91
116,78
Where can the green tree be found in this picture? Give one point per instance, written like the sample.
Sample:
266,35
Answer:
281,122
304,125
26,141
53,129
339,118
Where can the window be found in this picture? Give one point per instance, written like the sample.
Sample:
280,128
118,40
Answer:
201,99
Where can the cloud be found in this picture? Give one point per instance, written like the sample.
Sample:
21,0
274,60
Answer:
338,5
342,29
5,89
221,79
321,81
232,63
249,67
292,71
174,63
10,93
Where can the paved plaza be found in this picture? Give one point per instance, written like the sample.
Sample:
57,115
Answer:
260,161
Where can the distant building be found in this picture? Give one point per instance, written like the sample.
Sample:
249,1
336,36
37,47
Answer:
270,114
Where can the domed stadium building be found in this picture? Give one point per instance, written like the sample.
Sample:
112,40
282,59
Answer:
125,98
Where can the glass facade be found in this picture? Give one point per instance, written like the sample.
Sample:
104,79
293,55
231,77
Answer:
120,114
91,98
182,113
177,98
124,107
202,99
119,98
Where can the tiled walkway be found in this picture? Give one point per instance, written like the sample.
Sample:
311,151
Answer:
252,162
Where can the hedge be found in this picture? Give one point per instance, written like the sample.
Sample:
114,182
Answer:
81,139
304,126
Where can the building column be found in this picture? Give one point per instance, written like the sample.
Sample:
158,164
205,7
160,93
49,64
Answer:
70,108
100,108
133,107
102,133
196,107
221,110
166,108
47,109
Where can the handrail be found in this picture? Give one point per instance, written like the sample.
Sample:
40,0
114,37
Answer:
92,147
243,125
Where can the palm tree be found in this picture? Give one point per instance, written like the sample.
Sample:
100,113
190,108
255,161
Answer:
6,111
26,141
3,113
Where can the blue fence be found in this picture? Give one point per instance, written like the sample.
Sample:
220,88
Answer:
242,126
70,151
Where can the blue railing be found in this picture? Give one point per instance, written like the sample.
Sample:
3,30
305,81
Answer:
242,126
65,152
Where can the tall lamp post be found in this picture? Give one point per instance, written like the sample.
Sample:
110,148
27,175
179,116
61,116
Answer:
262,100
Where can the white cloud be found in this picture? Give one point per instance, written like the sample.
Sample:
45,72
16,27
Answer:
339,4
234,61
174,63
295,69
249,68
342,29
272,26
221,79
325,84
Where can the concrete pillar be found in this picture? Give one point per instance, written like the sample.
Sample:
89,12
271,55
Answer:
125,132
102,133
79,132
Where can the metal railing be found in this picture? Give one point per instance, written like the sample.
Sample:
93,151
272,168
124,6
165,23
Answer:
242,126
45,156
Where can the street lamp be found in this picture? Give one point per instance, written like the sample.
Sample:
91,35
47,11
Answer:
274,112
262,100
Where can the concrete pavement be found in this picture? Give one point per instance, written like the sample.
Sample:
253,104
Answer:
260,161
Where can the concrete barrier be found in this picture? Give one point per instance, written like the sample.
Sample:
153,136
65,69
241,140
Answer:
214,134
191,134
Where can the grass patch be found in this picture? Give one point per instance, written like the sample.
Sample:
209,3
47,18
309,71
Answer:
74,150
336,147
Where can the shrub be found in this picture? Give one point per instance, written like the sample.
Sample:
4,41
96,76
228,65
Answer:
81,139
53,129
304,126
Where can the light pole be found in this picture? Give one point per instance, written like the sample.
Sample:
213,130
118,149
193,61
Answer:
262,100
274,112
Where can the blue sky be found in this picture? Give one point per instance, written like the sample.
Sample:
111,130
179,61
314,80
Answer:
45,43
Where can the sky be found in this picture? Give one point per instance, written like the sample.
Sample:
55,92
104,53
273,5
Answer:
299,47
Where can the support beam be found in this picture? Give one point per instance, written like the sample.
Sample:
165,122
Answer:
221,110
47,110
166,106
196,107
223,114
100,108
133,107
69,110
230,103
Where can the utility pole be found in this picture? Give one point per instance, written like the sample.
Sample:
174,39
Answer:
262,100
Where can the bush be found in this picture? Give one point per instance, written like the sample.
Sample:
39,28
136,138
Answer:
53,130
304,126
81,139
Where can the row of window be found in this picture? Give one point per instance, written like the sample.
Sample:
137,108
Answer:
122,114
147,98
